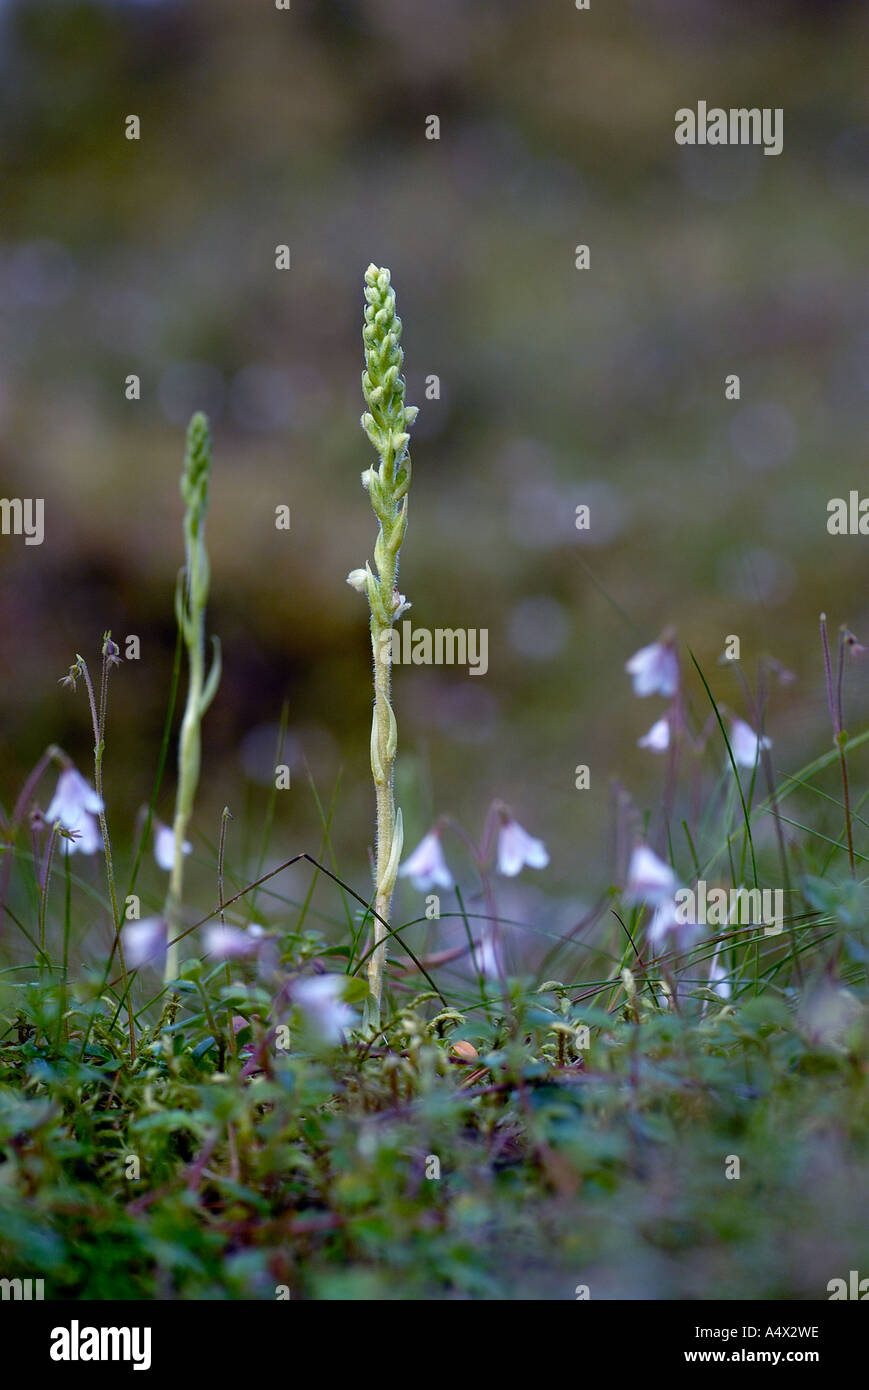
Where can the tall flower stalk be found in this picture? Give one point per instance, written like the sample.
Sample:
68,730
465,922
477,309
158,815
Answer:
71,800
837,716
385,423
191,597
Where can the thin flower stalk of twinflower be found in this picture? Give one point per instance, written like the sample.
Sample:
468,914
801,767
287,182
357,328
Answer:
79,669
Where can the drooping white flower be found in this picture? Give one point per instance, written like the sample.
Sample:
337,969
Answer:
669,926
164,846
658,737
486,957
231,943
73,794
145,943
268,956
663,924
74,805
321,1000
718,979
244,943
827,1014
357,580
426,867
654,670
745,744
650,880
85,837
516,848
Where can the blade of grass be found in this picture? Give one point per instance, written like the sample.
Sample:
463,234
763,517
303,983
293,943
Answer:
745,814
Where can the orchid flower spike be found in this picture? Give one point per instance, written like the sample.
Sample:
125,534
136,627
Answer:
387,423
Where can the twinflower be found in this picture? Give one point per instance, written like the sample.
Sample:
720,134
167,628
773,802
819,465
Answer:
516,848
426,867
654,670
75,805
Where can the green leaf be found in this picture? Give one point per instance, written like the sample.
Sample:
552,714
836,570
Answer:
356,990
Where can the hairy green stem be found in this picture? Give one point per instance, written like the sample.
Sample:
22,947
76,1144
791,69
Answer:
385,423
384,739
190,602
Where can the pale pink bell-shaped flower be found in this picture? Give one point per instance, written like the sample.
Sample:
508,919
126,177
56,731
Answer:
145,943
745,744
73,794
74,805
718,981
487,957
321,1000
164,846
230,943
654,670
667,924
268,955
86,837
663,923
658,737
650,880
516,848
426,867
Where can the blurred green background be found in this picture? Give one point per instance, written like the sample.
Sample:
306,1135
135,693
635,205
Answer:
558,387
